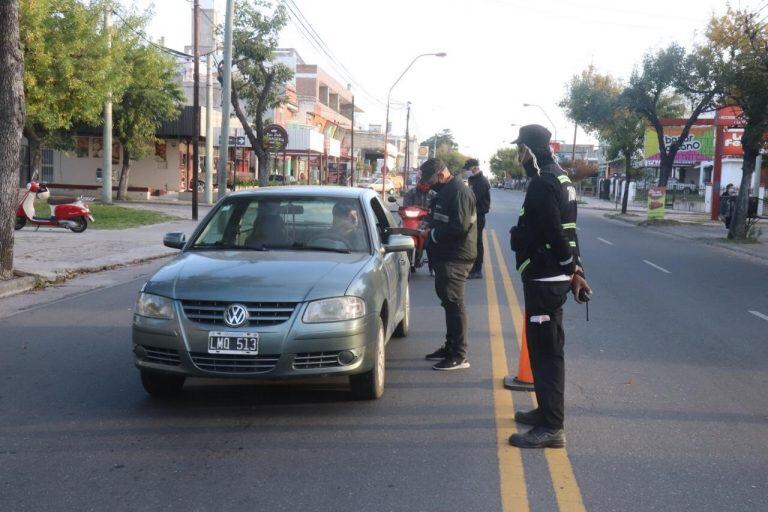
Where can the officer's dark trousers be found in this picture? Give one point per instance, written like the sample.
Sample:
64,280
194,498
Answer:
545,346
478,266
450,278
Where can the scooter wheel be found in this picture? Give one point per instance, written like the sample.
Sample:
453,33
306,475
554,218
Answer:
81,223
20,222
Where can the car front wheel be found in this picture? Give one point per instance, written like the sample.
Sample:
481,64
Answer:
370,385
160,385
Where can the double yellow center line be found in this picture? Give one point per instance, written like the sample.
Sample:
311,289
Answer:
514,493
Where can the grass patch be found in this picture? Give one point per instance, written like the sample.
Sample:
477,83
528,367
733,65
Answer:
109,216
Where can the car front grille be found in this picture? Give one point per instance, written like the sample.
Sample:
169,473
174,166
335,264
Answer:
235,363
157,355
310,360
261,313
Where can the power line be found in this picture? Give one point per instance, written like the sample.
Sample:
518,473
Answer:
146,39
307,31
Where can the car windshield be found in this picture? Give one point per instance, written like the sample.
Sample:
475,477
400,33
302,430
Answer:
286,223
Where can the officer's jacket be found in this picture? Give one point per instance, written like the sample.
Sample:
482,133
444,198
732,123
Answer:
544,240
453,235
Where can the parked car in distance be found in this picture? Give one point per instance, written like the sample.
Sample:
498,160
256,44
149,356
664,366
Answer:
279,179
379,185
680,186
278,283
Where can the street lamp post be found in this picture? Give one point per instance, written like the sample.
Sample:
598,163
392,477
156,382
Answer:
386,124
554,128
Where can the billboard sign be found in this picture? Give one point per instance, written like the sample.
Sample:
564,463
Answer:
698,146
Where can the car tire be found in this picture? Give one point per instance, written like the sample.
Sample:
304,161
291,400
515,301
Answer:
159,385
401,331
370,385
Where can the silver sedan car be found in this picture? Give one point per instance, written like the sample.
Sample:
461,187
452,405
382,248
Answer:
278,283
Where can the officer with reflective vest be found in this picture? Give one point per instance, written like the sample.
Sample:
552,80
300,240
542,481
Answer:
548,260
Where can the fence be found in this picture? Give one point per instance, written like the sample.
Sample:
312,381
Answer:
680,197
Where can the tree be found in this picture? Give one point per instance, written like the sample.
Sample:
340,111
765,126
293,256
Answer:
452,158
11,125
664,80
740,43
444,138
68,70
598,103
152,95
256,80
504,164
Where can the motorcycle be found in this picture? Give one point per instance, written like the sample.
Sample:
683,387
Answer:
414,222
66,212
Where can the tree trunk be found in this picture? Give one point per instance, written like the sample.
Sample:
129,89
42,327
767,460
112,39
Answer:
263,167
738,228
665,169
122,188
627,170
35,152
11,127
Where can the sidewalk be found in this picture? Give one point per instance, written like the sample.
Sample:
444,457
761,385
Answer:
691,226
57,253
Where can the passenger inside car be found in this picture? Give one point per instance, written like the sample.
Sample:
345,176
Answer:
268,227
346,224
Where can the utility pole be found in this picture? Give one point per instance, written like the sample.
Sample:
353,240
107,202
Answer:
352,147
208,132
407,145
196,107
226,98
434,147
106,150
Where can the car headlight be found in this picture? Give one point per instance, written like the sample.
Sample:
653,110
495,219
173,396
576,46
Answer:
334,310
154,306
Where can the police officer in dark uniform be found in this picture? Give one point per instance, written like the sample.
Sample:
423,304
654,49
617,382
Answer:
481,187
547,252
452,250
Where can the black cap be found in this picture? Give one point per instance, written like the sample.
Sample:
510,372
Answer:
470,163
430,167
533,136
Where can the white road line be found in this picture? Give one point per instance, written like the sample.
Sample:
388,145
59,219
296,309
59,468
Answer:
605,241
657,267
759,315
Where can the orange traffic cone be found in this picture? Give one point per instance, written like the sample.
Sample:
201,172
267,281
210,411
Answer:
524,379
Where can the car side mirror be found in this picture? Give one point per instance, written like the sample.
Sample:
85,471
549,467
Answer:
392,199
175,240
398,243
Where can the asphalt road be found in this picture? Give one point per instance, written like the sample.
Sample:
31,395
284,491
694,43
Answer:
666,408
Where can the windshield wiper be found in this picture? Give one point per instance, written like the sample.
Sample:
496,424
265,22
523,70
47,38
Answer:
305,247
220,245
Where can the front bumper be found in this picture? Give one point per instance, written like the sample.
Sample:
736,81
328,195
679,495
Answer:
289,350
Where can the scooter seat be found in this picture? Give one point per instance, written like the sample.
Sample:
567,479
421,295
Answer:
61,200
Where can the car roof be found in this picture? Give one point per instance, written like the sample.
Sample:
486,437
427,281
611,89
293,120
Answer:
308,190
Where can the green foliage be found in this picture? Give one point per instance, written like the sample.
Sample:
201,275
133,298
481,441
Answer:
504,164
444,138
152,95
452,158
256,80
68,70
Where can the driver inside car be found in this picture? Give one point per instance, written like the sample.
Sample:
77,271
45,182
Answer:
345,224
268,227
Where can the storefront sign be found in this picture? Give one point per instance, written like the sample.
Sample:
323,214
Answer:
275,138
657,196
732,143
698,146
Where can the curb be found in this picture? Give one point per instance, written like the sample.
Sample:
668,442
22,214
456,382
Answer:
17,285
28,281
728,247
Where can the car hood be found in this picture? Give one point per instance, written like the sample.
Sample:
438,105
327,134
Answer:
248,276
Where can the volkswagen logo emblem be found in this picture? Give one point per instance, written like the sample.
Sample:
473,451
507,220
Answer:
236,315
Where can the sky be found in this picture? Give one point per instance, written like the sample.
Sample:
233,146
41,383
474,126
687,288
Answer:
500,54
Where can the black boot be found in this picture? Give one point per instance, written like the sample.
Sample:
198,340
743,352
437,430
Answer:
532,418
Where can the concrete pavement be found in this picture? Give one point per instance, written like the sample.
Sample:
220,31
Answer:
54,253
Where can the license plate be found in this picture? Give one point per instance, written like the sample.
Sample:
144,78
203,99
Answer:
233,342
